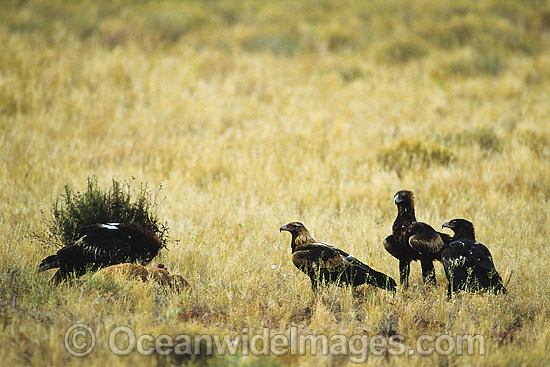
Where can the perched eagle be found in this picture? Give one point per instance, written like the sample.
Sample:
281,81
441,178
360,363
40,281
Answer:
412,240
324,263
468,263
102,245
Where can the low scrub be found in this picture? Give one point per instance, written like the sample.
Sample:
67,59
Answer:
118,204
409,152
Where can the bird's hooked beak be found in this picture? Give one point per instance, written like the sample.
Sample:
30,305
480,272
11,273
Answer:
398,199
283,228
448,225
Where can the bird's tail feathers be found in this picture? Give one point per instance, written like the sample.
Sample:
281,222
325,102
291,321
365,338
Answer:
375,278
55,261
509,278
499,288
49,263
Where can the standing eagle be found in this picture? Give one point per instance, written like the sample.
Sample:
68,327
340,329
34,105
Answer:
468,263
412,240
324,263
102,245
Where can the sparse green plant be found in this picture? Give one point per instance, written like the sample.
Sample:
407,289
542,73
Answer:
407,152
339,37
276,44
171,23
485,137
471,63
403,49
352,73
537,141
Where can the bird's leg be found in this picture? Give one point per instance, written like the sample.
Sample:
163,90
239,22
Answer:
428,271
58,277
404,268
458,286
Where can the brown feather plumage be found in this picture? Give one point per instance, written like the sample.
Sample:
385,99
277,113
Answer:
412,240
324,263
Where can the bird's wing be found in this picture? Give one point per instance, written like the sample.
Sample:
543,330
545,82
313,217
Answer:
464,254
326,258
452,256
104,242
322,256
480,255
125,241
445,237
473,252
397,250
106,230
392,246
424,239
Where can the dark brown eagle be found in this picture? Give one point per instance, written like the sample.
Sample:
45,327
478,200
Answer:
468,264
102,245
412,240
324,263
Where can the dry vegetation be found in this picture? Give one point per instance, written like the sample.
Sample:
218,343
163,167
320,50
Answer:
252,114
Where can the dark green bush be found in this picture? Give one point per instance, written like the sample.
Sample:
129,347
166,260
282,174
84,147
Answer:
118,204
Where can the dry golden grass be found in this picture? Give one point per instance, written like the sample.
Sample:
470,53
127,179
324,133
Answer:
250,120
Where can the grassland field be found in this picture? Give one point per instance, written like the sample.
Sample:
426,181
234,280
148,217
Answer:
251,114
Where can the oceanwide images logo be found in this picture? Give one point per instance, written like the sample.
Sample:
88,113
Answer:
80,341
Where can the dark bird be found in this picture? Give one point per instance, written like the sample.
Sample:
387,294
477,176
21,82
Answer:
102,245
324,263
412,240
468,263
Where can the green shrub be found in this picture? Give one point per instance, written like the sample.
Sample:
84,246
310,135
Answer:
470,63
400,50
340,37
172,22
9,103
537,141
352,73
276,44
457,31
485,137
72,210
407,152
